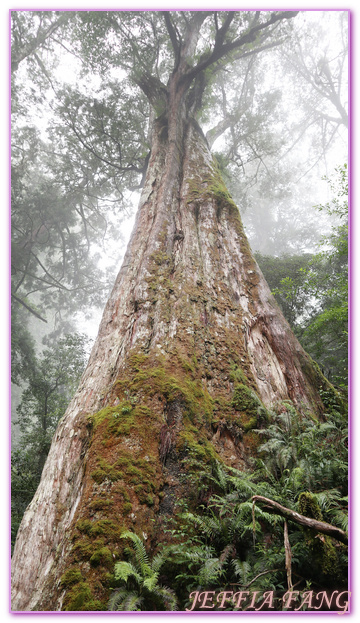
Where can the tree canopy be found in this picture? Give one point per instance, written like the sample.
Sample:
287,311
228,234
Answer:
81,139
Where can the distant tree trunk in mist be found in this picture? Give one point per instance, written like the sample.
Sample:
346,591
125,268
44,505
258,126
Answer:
190,344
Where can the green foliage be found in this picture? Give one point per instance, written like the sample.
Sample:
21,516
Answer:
303,453
53,263
303,466
51,382
285,277
313,291
139,578
327,278
23,354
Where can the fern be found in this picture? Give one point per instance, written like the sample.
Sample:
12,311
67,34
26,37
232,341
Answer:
141,578
125,600
216,543
132,603
168,596
141,554
241,569
123,570
340,519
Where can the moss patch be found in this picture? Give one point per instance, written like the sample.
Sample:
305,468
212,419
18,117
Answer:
253,412
309,507
80,598
323,391
71,577
102,556
196,445
324,555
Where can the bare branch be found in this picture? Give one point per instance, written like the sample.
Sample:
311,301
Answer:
307,522
223,49
287,556
30,309
172,33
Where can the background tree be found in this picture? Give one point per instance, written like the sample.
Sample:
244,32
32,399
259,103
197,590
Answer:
327,278
52,380
277,209
33,32
314,293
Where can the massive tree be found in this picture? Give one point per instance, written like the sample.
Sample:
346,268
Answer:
192,348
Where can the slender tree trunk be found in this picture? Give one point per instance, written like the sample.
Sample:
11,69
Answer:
190,346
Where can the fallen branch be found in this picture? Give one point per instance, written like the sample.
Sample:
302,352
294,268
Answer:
307,522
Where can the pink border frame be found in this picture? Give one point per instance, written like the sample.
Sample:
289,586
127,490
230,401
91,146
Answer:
351,356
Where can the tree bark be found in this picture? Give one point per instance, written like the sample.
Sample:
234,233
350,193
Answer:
190,311
288,556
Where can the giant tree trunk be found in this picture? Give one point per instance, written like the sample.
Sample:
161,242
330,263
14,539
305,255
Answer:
191,347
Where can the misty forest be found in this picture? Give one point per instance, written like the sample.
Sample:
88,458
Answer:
179,310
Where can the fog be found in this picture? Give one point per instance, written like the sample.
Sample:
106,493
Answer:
287,133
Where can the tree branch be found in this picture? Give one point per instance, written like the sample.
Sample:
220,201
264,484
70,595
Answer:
152,87
172,33
30,309
221,32
219,51
39,40
307,522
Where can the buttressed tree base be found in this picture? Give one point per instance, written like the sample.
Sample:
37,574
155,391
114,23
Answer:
191,352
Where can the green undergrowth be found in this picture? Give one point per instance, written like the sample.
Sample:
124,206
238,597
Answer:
128,479
331,398
322,550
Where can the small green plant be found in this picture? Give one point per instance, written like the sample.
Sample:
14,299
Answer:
140,588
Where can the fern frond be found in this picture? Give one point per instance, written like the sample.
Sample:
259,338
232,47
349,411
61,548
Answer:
200,553
151,582
123,600
209,525
241,569
132,603
117,598
327,498
211,571
157,562
167,595
123,570
142,558
340,519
